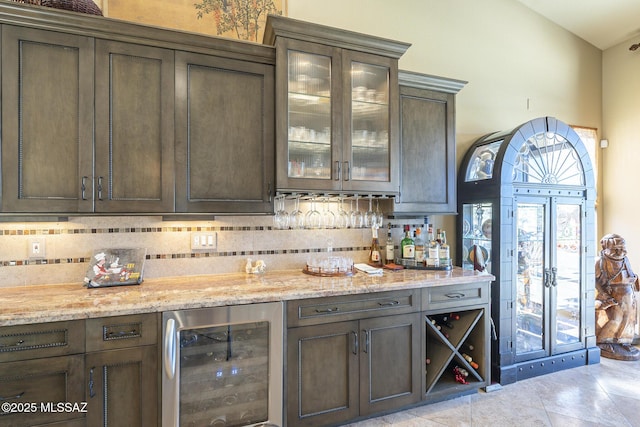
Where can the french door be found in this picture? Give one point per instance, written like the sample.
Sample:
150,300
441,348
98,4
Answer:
549,275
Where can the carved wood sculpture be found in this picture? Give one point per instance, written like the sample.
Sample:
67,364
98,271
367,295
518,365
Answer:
615,301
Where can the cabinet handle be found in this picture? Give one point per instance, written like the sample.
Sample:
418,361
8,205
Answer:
347,171
121,334
83,187
99,188
366,341
92,392
18,396
388,303
327,310
554,276
338,170
455,295
355,342
170,349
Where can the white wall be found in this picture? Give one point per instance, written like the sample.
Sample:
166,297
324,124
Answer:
621,161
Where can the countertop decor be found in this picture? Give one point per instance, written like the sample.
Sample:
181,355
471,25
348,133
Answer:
48,303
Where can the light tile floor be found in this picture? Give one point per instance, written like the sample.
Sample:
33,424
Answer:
604,394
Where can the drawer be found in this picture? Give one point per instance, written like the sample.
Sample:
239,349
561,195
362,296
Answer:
108,333
42,382
34,341
351,307
455,296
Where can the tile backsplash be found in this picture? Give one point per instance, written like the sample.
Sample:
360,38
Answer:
69,246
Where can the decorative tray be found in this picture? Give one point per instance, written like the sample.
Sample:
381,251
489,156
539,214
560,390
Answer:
412,265
321,272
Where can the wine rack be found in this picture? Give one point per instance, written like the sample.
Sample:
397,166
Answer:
446,348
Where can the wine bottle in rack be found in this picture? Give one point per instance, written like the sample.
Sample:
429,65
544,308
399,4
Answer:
469,359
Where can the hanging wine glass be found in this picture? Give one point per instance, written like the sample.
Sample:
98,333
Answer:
328,217
281,218
313,218
342,219
296,218
357,219
370,218
379,215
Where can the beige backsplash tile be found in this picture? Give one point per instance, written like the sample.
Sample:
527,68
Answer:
69,245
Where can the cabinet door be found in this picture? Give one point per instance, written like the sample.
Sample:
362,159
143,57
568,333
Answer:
47,121
427,152
390,366
309,120
224,135
42,382
322,374
370,132
122,387
134,128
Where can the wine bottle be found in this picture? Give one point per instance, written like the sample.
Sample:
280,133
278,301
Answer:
469,359
407,245
444,253
433,252
419,245
390,252
375,258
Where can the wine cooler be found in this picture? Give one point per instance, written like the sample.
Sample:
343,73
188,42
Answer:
223,366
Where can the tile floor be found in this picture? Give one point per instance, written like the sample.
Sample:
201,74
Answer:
605,394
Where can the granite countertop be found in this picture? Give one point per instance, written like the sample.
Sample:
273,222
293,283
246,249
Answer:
48,303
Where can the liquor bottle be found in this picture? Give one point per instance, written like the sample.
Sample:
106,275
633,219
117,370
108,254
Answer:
407,245
389,246
433,252
444,254
419,245
375,258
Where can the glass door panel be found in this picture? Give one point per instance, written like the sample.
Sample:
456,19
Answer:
224,375
309,115
530,277
477,219
369,122
568,231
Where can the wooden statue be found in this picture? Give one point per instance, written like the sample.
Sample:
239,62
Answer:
615,300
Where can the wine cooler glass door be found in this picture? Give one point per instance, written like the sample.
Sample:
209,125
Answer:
226,367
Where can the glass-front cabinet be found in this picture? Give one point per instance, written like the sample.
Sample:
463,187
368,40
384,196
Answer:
338,107
527,204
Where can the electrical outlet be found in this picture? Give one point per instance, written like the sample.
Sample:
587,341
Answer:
204,241
37,248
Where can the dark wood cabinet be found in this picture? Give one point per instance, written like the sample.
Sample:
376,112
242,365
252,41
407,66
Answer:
134,113
224,135
123,387
99,117
337,108
110,363
42,365
457,335
47,121
121,370
340,370
427,145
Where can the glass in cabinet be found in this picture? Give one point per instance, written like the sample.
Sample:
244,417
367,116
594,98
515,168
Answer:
338,109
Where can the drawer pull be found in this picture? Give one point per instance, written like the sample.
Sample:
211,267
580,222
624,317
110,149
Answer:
122,334
355,342
388,303
455,295
327,310
12,397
